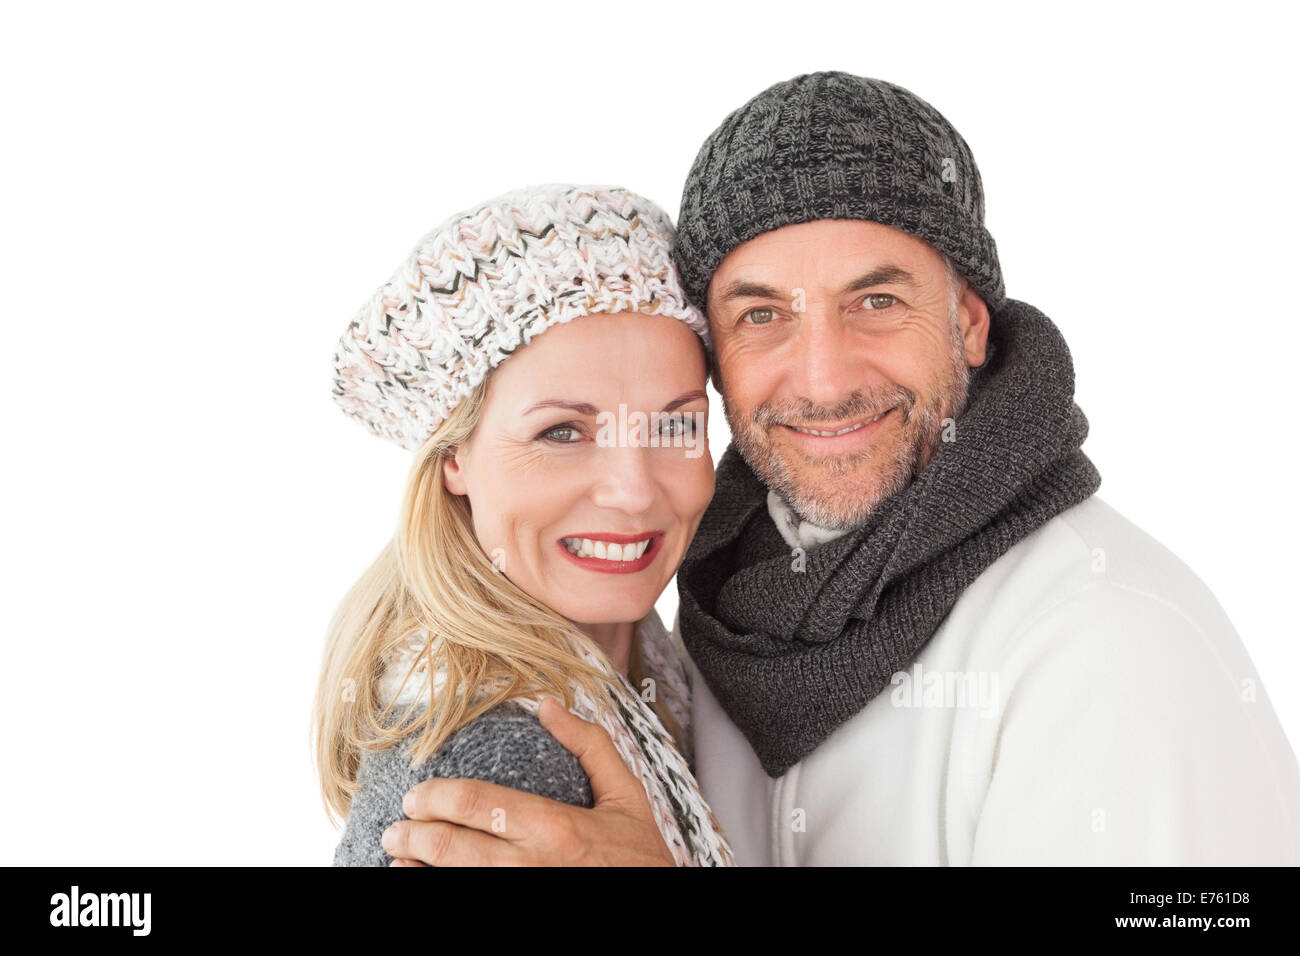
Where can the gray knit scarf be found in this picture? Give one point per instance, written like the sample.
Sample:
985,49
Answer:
791,655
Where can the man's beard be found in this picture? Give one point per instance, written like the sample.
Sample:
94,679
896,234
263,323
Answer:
845,505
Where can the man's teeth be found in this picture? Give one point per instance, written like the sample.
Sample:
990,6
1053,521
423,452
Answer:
842,431
608,550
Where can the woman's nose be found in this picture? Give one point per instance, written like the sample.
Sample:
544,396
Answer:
625,480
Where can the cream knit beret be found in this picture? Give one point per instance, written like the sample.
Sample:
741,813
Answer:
489,279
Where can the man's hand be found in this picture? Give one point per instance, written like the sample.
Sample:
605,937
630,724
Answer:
452,821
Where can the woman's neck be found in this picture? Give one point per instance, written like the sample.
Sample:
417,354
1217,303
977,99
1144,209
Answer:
615,640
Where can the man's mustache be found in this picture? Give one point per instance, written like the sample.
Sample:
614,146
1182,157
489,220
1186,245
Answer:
858,405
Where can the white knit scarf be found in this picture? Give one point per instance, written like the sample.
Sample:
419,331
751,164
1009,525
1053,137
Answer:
687,825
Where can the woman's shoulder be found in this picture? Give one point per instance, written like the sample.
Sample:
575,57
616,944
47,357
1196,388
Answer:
506,745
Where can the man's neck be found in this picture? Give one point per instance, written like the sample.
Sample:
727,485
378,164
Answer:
798,532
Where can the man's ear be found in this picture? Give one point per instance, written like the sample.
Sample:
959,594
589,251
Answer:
973,320
453,472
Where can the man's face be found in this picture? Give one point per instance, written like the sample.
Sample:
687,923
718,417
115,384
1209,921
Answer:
840,359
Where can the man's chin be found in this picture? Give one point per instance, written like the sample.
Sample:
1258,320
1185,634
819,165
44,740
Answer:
829,501
837,492
838,514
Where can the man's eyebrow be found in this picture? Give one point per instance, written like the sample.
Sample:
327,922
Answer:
586,408
881,275
743,289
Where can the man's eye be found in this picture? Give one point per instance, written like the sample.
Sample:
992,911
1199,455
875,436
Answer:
878,301
759,316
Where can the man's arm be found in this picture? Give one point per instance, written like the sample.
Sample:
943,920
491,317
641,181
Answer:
476,823
1134,735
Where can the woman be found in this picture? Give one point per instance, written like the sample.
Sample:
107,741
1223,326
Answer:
550,501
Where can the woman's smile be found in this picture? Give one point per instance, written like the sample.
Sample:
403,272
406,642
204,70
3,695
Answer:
612,553
542,476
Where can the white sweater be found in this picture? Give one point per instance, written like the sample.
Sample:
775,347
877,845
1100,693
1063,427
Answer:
1086,701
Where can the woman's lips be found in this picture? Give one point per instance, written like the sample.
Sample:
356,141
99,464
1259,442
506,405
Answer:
607,566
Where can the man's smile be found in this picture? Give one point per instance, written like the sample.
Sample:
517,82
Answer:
831,431
837,438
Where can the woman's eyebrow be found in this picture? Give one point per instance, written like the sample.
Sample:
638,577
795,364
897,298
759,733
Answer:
683,399
582,408
586,408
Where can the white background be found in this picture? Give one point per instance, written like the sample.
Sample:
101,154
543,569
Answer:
197,198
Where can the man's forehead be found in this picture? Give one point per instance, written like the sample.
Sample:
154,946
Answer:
833,252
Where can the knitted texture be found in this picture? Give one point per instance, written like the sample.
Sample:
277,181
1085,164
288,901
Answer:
832,145
792,653
687,824
402,678
798,531
506,746
486,281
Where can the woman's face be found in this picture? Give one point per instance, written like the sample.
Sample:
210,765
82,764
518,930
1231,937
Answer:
561,462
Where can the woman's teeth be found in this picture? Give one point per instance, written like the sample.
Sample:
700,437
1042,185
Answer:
842,431
607,550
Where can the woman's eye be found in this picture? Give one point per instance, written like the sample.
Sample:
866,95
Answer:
676,425
878,301
560,430
759,316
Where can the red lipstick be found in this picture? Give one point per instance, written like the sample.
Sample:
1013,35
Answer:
616,567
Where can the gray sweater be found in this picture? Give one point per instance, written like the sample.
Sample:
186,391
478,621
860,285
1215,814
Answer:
506,745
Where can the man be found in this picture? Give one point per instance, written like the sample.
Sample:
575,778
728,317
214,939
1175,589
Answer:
917,635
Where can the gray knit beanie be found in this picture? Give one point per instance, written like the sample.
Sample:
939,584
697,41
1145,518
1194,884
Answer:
832,145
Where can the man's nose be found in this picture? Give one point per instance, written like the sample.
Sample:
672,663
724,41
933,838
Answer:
828,361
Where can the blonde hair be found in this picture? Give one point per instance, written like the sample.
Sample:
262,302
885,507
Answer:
495,641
